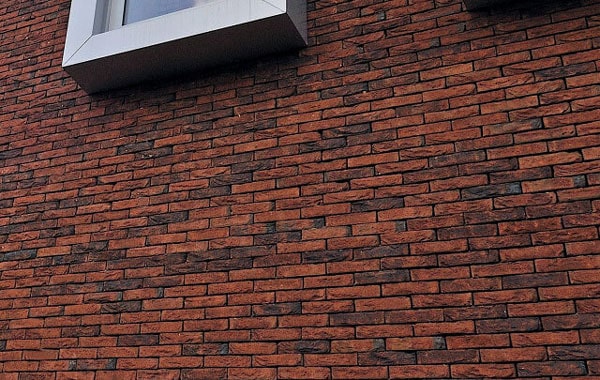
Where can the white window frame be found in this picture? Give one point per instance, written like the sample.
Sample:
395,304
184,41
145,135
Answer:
101,56
115,14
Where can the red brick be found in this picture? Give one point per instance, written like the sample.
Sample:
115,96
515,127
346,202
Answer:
412,195
414,344
384,303
590,336
303,373
485,370
359,373
192,374
536,338
566,368
251,373
544,251
529,226
546,308
583,276
478,341
549,159
427,329
250,348
419,371
514,354
180,362
569,292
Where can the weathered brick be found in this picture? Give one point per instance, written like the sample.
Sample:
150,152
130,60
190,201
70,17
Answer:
304,373
511,325
364,372
482,370
565,368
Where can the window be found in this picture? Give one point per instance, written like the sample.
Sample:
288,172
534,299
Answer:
122,12
115,43
138,10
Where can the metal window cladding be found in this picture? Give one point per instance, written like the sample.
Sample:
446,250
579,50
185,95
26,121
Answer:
217,32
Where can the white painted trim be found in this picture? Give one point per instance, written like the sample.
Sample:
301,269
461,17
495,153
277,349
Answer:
87,43
175,26
83,44
115,14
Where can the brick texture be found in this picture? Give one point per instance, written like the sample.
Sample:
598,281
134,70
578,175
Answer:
414,195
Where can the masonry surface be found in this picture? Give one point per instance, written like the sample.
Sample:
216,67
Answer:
416,194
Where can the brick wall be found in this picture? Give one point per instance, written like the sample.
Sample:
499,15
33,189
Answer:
414,195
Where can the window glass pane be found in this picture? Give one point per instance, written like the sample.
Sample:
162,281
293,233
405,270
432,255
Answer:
138,10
